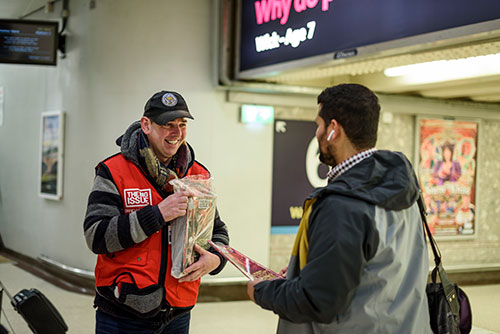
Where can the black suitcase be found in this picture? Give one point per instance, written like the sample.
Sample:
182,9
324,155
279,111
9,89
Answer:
42,317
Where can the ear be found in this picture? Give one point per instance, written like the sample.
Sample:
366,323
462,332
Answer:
146,125
335,126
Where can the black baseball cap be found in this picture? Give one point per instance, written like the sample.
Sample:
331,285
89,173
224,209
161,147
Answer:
166,106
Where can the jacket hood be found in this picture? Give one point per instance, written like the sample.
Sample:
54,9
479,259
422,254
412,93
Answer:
129,142
385,179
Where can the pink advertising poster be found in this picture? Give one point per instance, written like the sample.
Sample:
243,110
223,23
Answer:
447,174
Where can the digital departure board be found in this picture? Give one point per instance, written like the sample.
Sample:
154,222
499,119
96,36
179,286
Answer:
28,42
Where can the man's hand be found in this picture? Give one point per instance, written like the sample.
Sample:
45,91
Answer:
251,289
283,272
174,206
205,264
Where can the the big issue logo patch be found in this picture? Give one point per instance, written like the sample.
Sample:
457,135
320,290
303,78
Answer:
136,198
296,169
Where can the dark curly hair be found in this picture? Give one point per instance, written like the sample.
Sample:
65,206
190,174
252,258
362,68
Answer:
450,146
356,108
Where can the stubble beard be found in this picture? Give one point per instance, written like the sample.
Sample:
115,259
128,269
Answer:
327,157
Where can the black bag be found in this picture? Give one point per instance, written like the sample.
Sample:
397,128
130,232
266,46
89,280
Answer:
449,306
42,317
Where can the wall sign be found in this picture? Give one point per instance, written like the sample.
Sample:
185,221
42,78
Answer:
296,169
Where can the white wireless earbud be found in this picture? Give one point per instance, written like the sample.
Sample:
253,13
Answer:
330,135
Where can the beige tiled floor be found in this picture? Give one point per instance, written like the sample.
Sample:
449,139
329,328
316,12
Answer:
239,317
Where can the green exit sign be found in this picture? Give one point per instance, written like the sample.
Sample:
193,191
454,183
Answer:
257,114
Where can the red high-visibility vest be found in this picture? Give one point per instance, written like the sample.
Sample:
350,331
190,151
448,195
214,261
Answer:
142,260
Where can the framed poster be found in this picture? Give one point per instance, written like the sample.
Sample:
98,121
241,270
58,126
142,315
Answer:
1,105
447,158
51,154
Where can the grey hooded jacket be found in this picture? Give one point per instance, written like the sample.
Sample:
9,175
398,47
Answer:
367,261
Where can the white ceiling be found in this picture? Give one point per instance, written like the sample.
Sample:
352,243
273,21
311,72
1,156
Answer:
369,70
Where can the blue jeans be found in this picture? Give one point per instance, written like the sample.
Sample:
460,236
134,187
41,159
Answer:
108,324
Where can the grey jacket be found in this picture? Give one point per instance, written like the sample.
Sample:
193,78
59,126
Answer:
365,266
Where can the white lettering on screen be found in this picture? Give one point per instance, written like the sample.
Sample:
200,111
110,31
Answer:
293,37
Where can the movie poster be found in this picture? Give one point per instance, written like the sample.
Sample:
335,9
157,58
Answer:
51,162
447,174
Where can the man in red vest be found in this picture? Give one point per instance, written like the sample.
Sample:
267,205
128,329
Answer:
130,209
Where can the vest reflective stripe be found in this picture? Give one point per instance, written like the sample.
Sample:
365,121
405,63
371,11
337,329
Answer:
142,260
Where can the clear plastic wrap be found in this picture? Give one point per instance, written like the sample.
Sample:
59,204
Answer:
196,226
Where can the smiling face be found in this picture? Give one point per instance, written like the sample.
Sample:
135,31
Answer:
166,139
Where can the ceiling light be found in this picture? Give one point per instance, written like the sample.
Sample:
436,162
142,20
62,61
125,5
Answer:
443,70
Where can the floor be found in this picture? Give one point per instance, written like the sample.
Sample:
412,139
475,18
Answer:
222,318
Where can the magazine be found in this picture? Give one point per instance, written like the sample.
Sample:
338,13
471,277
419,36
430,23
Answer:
196,226
249,268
